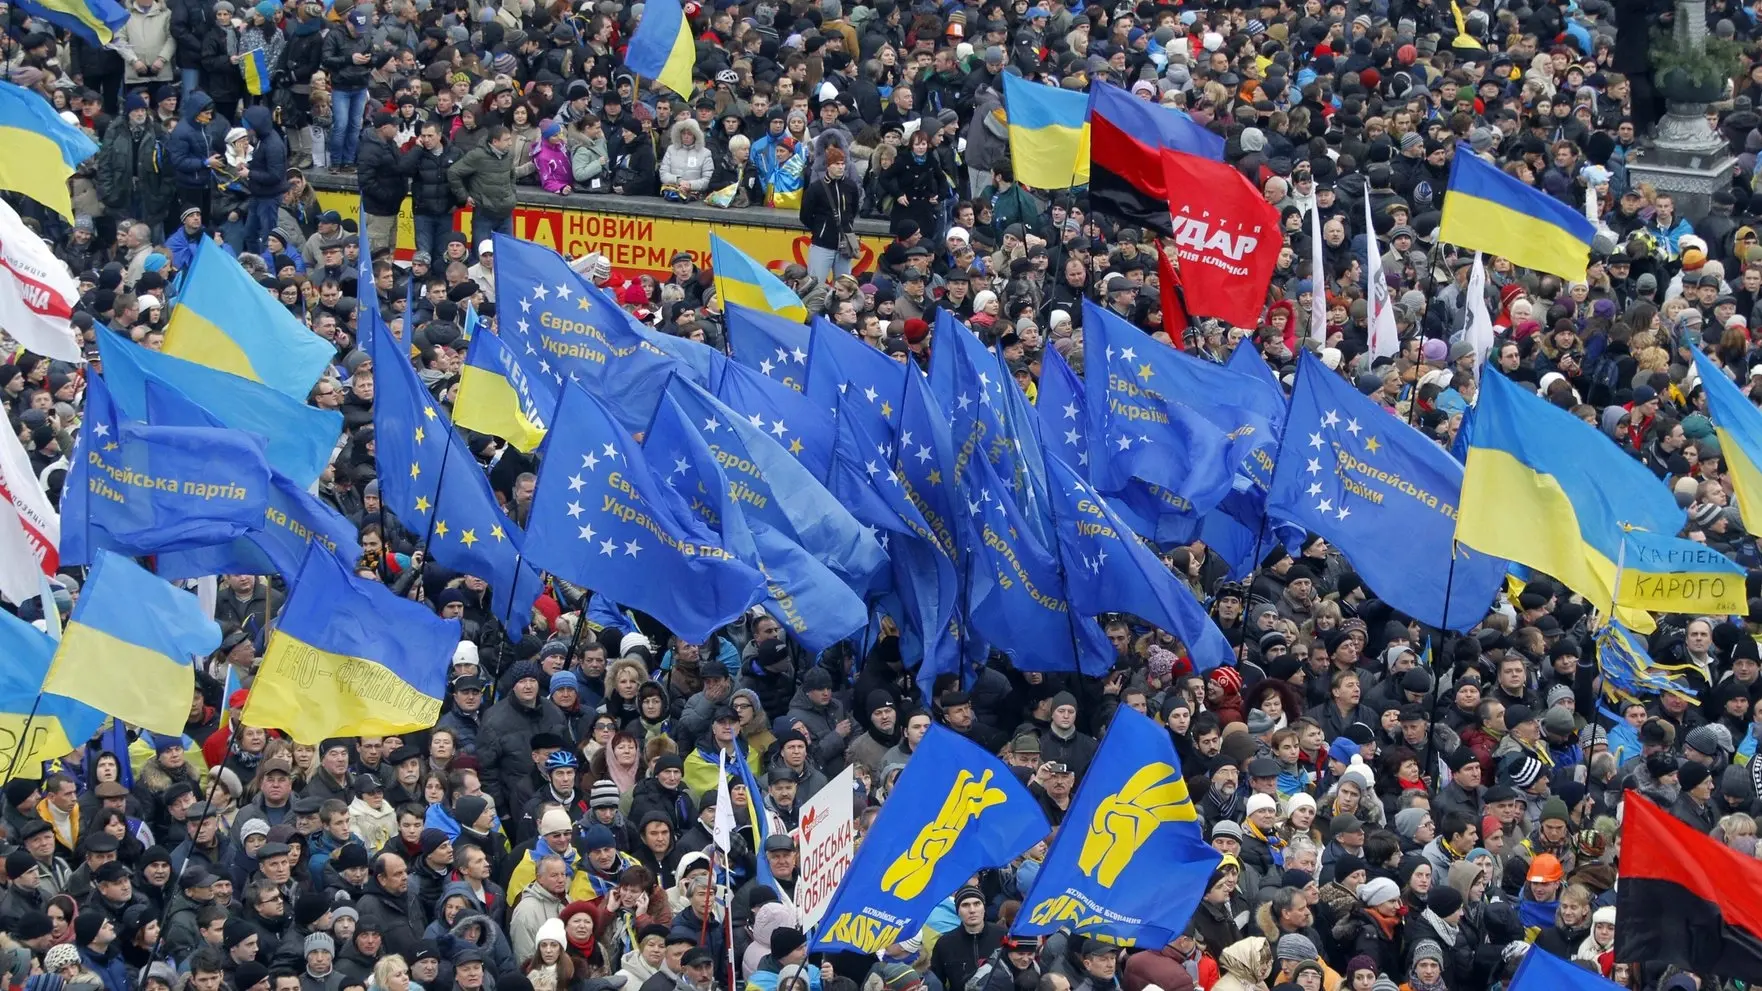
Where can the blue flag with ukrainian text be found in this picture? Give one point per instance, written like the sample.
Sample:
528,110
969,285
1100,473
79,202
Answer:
973,814
1130,861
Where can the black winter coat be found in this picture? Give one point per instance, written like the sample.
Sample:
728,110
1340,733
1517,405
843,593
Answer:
383,175
829,209
269,161
339,49
191,21
430,196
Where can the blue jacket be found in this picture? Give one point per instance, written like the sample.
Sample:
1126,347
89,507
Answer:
269,162
109,968
191,144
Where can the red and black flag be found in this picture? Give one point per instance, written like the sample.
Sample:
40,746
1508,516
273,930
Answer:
1127,136
1686,899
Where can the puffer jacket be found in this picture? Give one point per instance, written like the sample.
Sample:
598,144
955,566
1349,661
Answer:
430,194
689,167
191,144
148,33
269,161
340,46
487,176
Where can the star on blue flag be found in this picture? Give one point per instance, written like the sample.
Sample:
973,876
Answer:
788,416
775,347
839,363
1062,408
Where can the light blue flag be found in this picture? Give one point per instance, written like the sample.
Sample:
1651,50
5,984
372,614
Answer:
301,438
137,489
775,347
803,595
1062,408
57,724
1543,971
839,363
971,388
1109,570
974,815
778,491
602,519
787,416
1130,862
1354,474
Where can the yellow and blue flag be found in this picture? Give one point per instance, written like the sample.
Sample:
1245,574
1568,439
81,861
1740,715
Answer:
1628,669
97,21
1130,862
1487,210
1352,473
254,66
57,725
1738,425
430,481
1546,490
140,489
974,814
128,648
1048,133
601,518
349,657
502,395
742,279
39,150
661,47
302,438
775,347
225,321
1662,574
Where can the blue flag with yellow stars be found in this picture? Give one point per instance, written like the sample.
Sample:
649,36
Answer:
787,416
578,330
138,489
1130,861
775,347
803,595
778,491
1110,569
972,390
1356,475
925,459
603,520
839,363
429,480
974,815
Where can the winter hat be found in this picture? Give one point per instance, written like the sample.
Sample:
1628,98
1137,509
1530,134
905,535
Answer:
1692,774
86,926
1525,771
1378,890
431,840
552,931
604,795
785,941
309,908
565,679
1443,900
63,955
1427,949
316,942
597,837
1296,946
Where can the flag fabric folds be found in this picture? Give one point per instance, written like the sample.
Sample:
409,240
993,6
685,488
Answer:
140,489
37,292
349,657
1541,970
1628,669
97,21
1226,235
1126,139
1063,412
59,724
775,347
1352,473
839,363
743,279
254,66
1048,133
1544,489
917,853
127,648
1130,861
225,321
661,47
1385,338
786,416
602,519
1489,211
30,528
40,149
499,394
1662,574
1738,425
1686,899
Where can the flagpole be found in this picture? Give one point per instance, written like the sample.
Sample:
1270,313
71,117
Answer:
24,736
1432,694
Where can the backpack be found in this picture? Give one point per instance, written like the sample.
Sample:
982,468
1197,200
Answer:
1604,378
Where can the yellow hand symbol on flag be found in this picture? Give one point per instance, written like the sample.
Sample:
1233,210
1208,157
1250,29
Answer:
907,877
1125,820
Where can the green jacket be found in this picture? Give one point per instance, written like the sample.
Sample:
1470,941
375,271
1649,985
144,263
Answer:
486,176
134,167
1014,205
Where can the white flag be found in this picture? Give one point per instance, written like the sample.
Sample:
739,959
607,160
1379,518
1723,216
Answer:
30,530
722,830
1479,332
37,293
1379,315
1318,281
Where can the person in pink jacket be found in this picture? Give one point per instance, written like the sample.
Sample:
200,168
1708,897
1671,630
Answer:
552,157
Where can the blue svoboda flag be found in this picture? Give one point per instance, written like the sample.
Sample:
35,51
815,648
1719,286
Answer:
1130,862
918,853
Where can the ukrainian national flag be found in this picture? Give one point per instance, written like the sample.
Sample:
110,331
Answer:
350,658
97,21
39,150
225,321
741,279
58,724
1738,425
254,66
1489,211
661,48
127,648
1543,488
499,395
1048,133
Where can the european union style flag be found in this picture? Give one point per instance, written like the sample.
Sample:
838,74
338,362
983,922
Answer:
602,519
1110,569
294,519
925,459
541,301
1129,862
813,605
775,347
1354,474
776,490
975,815
970,386
1543,971
839,363
1022,430
787,416
430,482
1062,408
137,489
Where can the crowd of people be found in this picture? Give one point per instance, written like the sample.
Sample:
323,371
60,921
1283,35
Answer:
1385,823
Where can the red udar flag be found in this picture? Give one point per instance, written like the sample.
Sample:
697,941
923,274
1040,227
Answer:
1684,898
1174,315
1227,236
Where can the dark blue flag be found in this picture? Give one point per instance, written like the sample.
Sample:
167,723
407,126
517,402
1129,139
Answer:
775,347
1063,412
789,417
839,363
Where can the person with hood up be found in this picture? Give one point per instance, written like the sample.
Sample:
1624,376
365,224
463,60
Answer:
687,166
196,148
1246,964
268,177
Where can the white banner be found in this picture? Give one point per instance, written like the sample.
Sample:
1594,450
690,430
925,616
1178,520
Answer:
30,531
826,842
37,292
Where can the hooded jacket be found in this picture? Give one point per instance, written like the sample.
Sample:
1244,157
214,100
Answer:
688,167
191,144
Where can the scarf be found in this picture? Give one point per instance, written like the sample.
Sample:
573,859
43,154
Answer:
1219,806
1275,844
1415,984
623,774
1447,933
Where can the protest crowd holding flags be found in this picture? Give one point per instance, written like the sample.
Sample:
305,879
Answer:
1132,580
